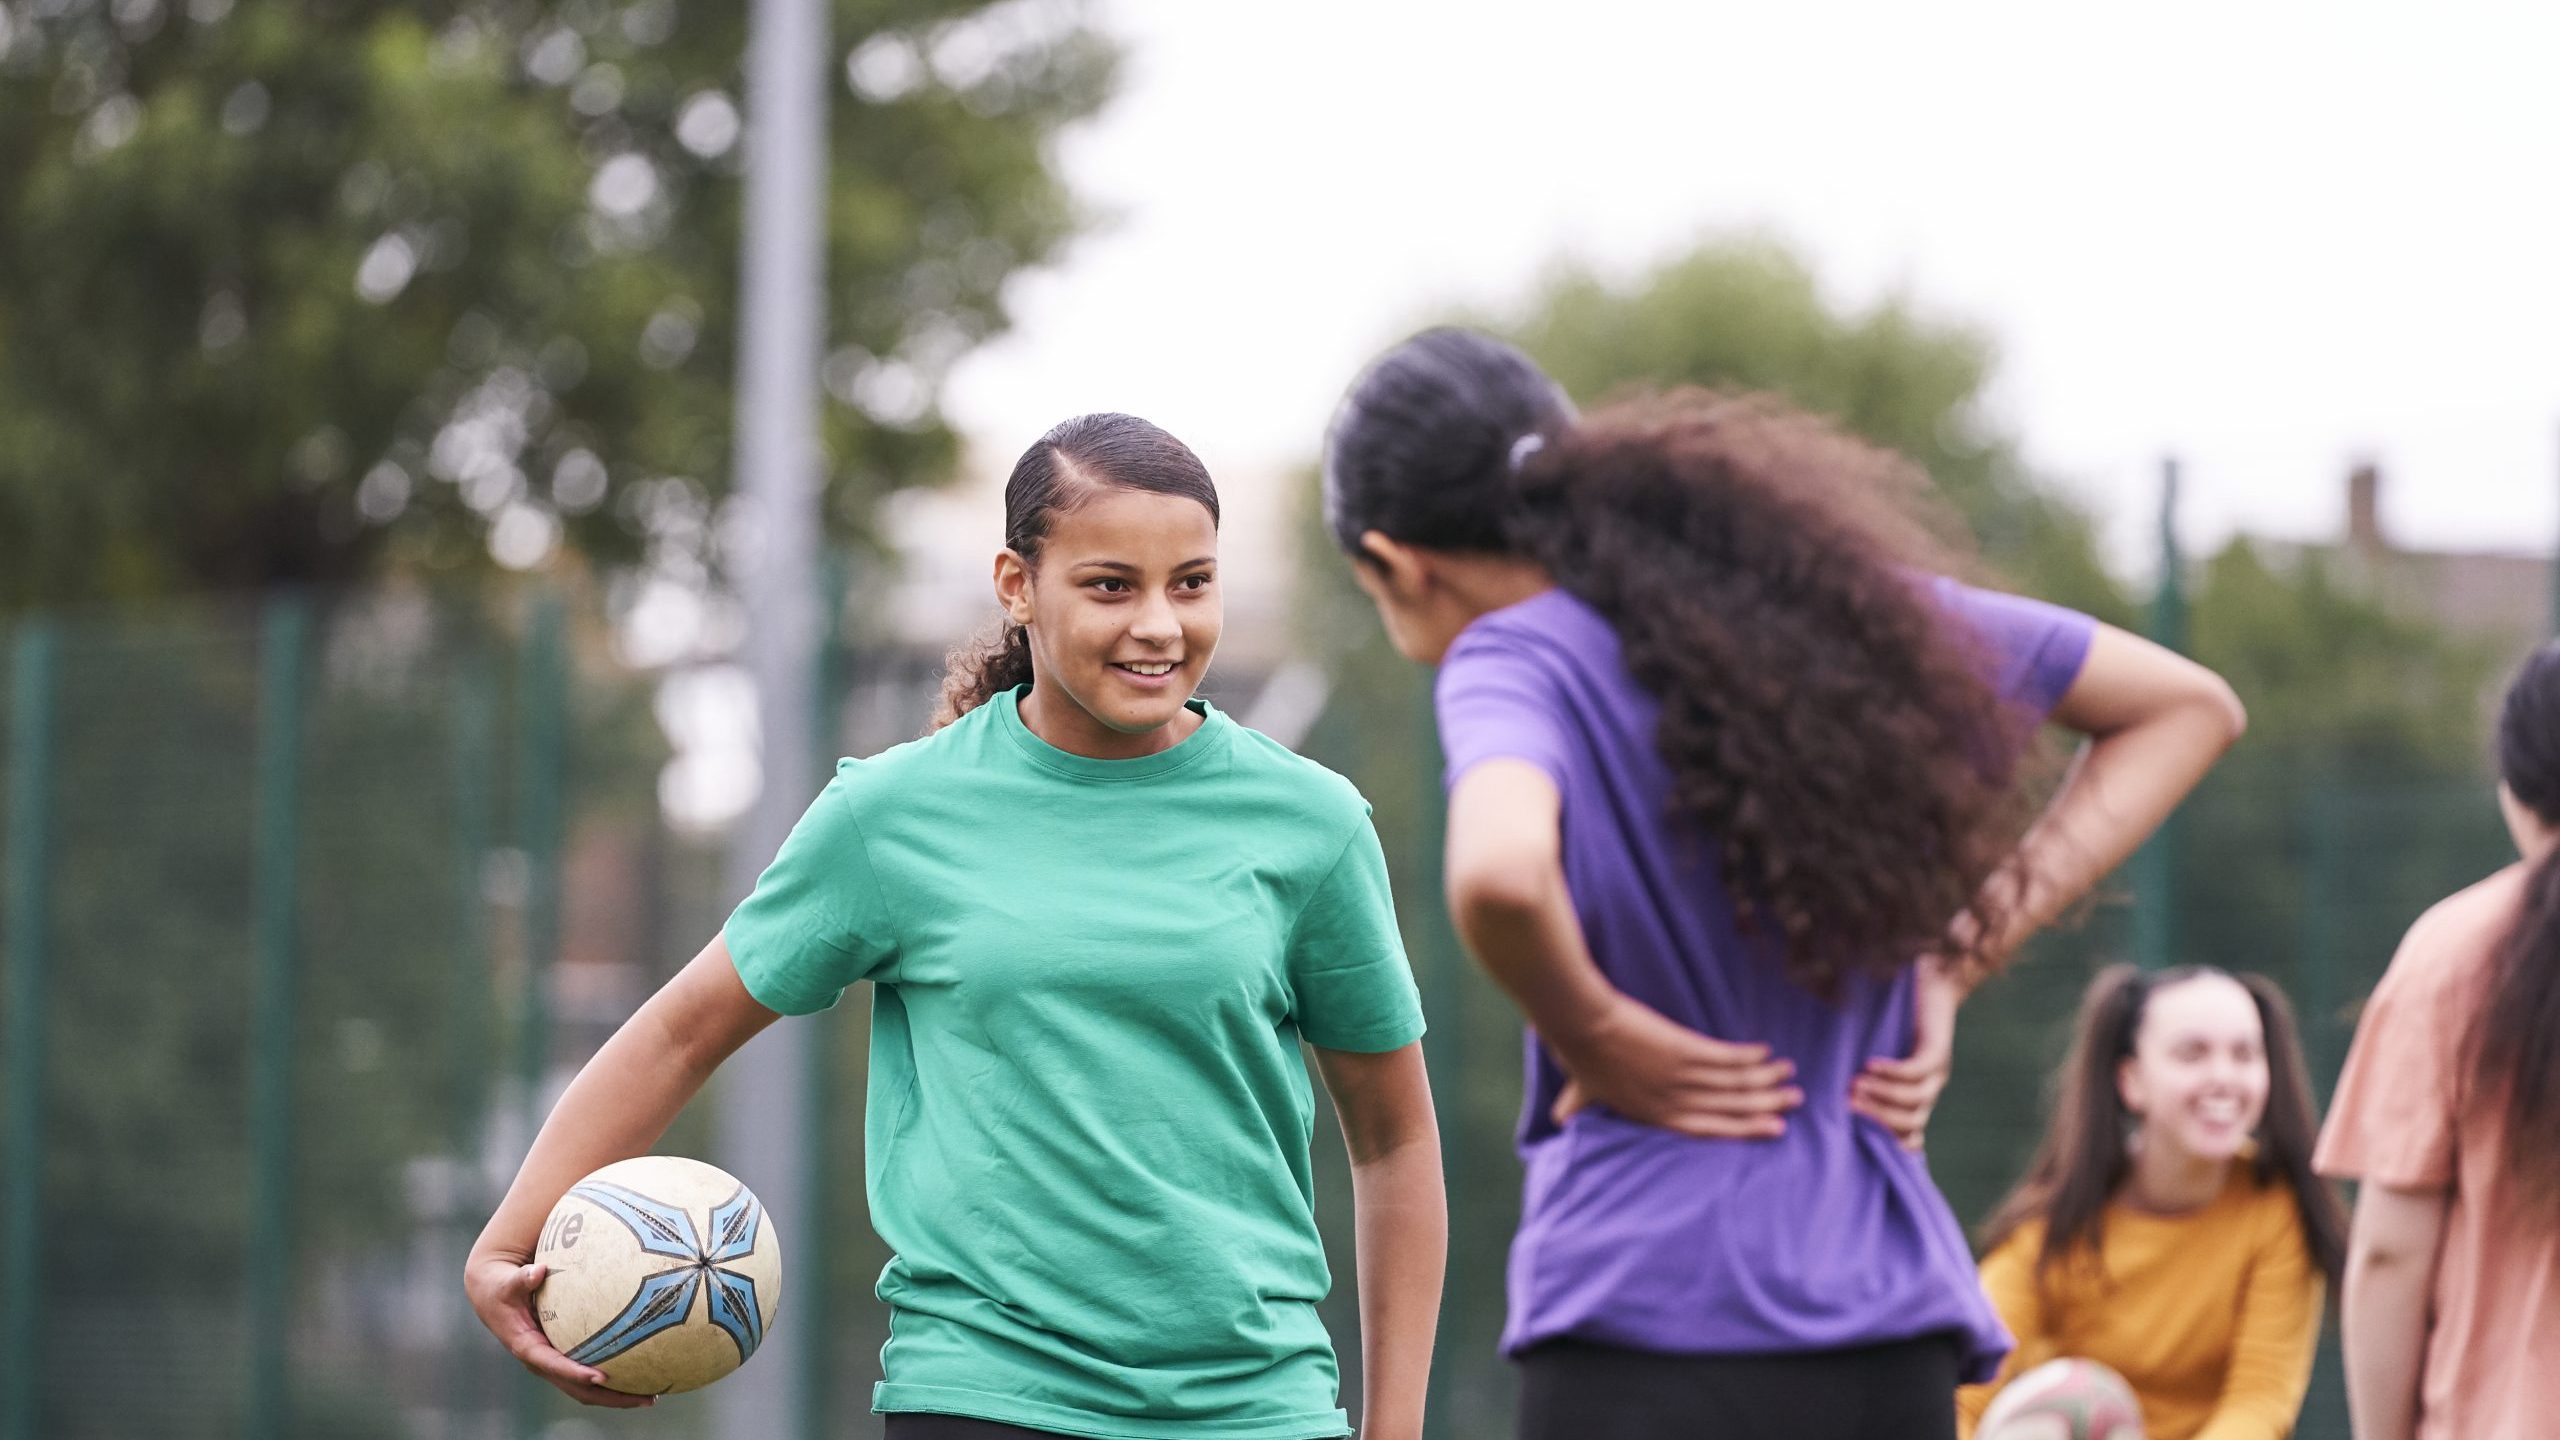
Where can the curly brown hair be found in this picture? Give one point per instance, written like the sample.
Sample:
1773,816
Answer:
1769,579
1820,718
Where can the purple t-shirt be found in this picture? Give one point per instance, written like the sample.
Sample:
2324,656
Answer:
1830,1236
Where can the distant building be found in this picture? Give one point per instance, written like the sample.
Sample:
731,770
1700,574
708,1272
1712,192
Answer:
2502,597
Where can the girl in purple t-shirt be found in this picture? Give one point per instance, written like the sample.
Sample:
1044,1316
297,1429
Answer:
1725,760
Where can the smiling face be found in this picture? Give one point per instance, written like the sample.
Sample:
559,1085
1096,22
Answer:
2197,1077
1123,611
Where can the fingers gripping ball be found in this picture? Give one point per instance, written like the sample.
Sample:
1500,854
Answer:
2063,1400
664,1274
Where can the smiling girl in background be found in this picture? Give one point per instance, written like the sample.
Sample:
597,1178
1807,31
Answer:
2170,1227
1100,917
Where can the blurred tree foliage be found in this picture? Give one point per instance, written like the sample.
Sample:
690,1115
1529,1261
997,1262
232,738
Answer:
336,292
1747,314
307,291
2332,679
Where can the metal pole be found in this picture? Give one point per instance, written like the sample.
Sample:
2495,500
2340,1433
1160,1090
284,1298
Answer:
765,1096
34,668
813,1333
283,645
542,740
2155,865
475,725
2323,819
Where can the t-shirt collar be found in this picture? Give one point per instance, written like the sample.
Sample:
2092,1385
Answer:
1008,713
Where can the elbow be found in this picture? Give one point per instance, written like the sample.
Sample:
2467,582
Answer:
2221,703
2379,1262
1394,1146
1495,893
684,1049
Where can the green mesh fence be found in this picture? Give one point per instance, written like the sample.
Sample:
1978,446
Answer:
482,886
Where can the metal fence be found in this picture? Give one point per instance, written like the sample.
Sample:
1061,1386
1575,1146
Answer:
310,905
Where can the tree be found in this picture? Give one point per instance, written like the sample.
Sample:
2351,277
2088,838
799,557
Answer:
1747,314
2333,679
304,292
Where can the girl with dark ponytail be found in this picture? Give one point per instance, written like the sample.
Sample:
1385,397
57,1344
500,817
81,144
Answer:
2170,1227
1731,818
1099,918
2448,1113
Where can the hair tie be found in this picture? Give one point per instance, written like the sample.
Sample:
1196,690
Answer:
1524,447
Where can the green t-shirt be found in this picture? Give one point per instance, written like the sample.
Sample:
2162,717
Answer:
1089,1117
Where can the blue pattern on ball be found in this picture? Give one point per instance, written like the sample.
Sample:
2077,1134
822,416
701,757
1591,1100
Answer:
665,1299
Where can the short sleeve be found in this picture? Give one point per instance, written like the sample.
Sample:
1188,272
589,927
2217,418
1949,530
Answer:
1353,988
2036,649
1496,703
816,921
2398,1106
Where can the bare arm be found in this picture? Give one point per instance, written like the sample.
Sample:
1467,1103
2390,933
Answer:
617,1108
2156,722
2391,1267
1401,1227
1508,896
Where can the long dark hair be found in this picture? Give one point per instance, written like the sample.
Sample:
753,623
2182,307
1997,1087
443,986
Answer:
2516,1039
1837,740
2082,1160
1061,471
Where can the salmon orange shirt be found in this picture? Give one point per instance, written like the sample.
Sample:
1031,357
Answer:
2403,1117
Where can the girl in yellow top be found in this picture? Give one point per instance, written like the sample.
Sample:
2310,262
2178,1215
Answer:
2170,1226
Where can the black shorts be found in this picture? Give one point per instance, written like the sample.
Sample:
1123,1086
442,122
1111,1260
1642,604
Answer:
1570,1390
918,1425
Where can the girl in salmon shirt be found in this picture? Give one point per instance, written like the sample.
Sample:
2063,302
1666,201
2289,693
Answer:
2449,1115
2170,1226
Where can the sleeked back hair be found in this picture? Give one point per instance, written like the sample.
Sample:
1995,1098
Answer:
1062,470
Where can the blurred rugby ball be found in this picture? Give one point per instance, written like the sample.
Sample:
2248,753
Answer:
2063,1400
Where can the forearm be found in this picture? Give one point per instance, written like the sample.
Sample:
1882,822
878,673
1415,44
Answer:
1530,945
2383,1327
1511,904
2120,789
617,1107
1401,1228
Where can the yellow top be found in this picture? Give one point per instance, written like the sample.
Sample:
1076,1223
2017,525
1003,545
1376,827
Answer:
2212,1316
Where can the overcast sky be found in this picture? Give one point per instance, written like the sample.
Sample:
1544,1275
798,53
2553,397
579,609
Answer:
2267,237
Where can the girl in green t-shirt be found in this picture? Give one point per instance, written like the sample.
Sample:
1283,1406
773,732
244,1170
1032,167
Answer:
1100,918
